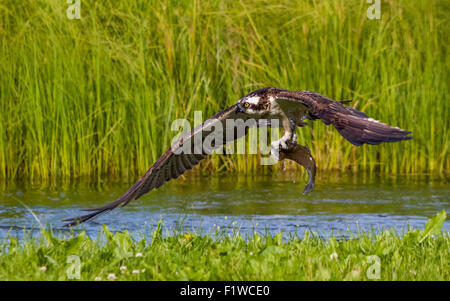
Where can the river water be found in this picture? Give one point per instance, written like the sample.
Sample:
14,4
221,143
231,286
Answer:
265,204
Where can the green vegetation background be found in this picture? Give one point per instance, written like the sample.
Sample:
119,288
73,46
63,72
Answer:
97,96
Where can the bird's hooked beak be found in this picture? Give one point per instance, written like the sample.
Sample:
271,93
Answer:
239,108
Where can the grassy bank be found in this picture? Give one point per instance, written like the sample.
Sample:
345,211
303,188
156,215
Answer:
414,255
96,96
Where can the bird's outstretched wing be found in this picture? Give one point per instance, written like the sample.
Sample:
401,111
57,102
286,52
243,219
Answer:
183,155
354,125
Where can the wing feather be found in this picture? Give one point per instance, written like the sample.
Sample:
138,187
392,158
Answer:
352,124
170,165
179,167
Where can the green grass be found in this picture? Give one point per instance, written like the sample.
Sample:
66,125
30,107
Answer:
414,255
96,96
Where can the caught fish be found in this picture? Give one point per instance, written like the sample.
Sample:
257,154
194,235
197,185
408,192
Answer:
302,155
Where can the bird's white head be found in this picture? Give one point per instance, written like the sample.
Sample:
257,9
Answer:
256,103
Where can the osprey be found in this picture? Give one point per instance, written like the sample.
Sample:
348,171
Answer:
290,108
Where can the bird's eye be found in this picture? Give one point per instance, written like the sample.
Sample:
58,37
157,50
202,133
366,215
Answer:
246,105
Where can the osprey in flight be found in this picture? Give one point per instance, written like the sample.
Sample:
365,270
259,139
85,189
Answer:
290,108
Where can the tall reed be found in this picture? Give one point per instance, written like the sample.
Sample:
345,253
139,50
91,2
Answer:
95,96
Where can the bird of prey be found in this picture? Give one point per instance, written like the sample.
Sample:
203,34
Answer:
290,108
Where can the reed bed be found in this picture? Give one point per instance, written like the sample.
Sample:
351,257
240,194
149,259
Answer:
96,96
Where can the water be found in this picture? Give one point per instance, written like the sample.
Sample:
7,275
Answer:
254,203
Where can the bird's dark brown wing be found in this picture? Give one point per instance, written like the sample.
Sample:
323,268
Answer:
174,162
354,125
